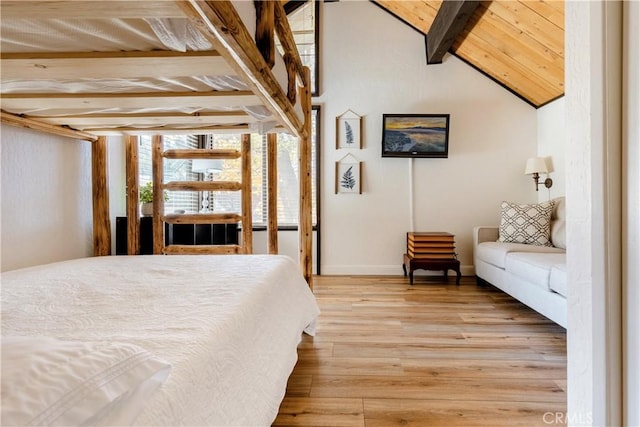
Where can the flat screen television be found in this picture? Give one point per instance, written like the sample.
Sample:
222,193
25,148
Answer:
415,135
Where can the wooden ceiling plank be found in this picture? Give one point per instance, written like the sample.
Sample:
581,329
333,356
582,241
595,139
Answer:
558,5
79,9
524,19
547,11
505,70
89,102
105,65
419,14
448,23
526,51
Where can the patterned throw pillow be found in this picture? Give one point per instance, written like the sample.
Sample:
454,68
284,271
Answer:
530,224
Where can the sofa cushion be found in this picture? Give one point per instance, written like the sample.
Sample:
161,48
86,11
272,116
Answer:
533,267
558,279
495,253
530,224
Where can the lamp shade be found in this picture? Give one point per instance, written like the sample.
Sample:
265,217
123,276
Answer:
206,165
536,165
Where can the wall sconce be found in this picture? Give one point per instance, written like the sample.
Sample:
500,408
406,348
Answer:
535,166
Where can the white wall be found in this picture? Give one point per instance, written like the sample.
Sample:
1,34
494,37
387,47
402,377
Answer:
552,141
46,198
372,63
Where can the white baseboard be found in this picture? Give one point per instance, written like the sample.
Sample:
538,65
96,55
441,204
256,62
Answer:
384,270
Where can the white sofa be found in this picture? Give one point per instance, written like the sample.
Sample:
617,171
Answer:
534,275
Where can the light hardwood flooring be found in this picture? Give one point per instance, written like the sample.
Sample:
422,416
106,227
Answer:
433,354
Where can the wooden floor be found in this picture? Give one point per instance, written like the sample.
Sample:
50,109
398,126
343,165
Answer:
432,354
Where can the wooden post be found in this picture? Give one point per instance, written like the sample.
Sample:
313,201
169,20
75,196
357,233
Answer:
247,220
158,194
305,231
265,27
133,210
100,189
272,192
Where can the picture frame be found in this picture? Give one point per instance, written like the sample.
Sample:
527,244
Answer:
415,135
349,130
348,178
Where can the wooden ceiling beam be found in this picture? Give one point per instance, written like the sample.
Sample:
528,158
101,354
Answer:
450,20
174,130
23,122
105,65
82,122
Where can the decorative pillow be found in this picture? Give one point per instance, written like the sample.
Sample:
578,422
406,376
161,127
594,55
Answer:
529,224
46,381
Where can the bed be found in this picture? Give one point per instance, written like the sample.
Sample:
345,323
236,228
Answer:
226,333
94,70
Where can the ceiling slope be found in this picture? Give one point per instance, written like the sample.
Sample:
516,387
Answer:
519,44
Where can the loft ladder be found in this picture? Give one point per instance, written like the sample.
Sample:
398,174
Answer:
244,186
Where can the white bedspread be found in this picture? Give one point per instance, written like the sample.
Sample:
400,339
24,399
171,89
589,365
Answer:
228,325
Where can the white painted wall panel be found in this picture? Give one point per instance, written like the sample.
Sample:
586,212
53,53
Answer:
372,63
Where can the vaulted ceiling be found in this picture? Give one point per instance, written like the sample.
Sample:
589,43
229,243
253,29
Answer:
519,44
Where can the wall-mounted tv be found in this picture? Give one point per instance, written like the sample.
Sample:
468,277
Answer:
415,135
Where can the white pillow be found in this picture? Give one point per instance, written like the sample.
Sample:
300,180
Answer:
529,224
46,381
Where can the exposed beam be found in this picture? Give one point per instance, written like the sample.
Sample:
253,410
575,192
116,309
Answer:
79,9
13,120
305,225
448,23
27,102
105,65
172,130
92,121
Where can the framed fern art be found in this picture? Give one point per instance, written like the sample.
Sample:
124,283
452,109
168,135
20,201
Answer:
349,177
349,130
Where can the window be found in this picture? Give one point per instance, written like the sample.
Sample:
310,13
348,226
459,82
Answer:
303,19
174,170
